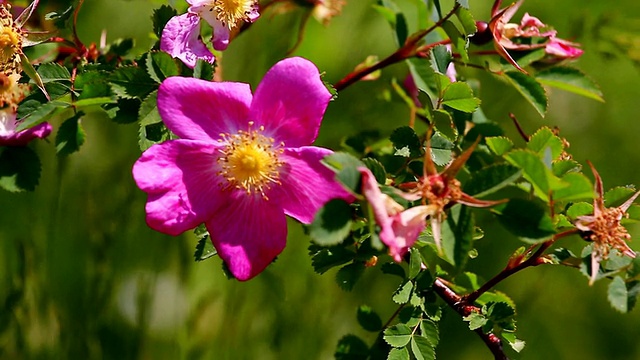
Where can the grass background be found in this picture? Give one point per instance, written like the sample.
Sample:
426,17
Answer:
83,277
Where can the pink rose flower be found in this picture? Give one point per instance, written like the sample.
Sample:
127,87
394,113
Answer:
9,136
242,162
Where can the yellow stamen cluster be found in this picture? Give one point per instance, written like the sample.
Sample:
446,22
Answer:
606,232
233,12
436,190
11,92
10,40
250,161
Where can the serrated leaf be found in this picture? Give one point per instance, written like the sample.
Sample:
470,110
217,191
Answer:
423,75
441,58
570,79
617,195
203,70
351,347
393,268
377,169
415,263
422,348
121,47
348,275
544,139
151,134
500,145
579,209
326,258
31,72
526,219
459,96
406,138
160,66
534,171
403,293
204,249
457,39
617,294
332,223
579,188
369,319
398,354
93,102
19,168
40,113
397,335
53,72
528,87
562,167
457,235
475,320
124,111
346,168
467,21
132,82
70,135
148,110
430,330
491,179
160,17
516,344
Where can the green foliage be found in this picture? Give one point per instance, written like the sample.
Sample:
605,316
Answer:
530,89
459,96
526,219
406,142
351,347
570,79
332,223
19,169
71,135
204,248
369,319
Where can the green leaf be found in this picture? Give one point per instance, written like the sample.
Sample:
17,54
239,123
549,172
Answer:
124,111
544,139
93,102
160,65
467,21
33,74
441,149
532,91
53,72
441,58
403,293
459,96
148,110
500,145
397,335
151,134
526,219
369,319
415,263
402,30
204,249
326,258
160,17
516,344
570,79
19,168
458,40
121,47
377,169
534,171
475,320
346,168
618,195
348,275
92,84
423,75
393,268
579,188
579,209
491,179
332,223
70,135
132,82
203,70
617,294
351,347
430,330
406,142
562,167
40,114
398,354
457,235
422,348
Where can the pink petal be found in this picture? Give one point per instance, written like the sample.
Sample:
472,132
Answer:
531,21
24,137
181,39
306,183
248,234
201,110
290,102
221,36
374,196
563,49
406,227
183,187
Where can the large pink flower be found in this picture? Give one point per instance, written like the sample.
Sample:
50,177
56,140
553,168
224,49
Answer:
181,35
242,162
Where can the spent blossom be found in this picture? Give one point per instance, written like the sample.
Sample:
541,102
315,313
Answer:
399,228
603,227
181,35
242,162
530,34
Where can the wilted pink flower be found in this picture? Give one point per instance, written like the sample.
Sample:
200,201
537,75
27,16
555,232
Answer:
604,228
399,228
181,35
530,34
242,162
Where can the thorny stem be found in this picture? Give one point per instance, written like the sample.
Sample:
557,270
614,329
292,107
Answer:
516,265
457,303
409,49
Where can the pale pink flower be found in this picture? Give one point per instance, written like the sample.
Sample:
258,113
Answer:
242,162
10,137
181,35
399,228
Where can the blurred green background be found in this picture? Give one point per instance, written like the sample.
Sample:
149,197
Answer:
83,277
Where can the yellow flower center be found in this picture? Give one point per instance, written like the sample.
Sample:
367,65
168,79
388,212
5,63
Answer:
10,38
231,12
250,161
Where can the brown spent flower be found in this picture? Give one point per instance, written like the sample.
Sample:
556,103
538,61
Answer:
603,228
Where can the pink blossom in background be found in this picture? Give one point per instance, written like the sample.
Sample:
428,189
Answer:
399,228
181,35
9,136
242,162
